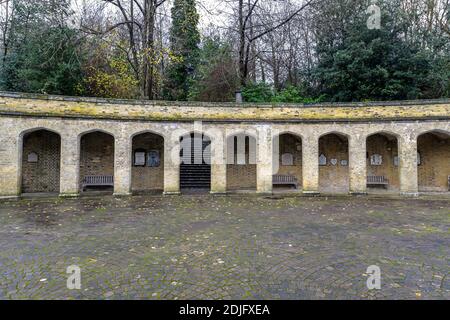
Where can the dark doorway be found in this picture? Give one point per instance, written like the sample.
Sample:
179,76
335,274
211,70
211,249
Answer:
195,168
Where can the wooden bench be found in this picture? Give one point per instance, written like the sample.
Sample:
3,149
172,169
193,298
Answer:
377,181
97,181
279,179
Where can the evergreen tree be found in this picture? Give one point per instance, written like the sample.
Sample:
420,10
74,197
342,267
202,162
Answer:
216,75
184,39
379,64
43,55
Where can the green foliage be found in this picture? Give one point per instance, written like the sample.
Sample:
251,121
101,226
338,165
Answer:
110,77
215,78
257,92
44,52
378,65
261,92
184,39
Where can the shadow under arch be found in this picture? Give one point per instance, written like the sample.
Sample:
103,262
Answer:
96,167
39,160
334,162
336,133
386,133
147,172
433,161
382,161
287,160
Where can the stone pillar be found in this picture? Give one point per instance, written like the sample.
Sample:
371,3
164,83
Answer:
408,165
264,170
310,156
70,165
218,164
10,164
357,165
171,165
122,165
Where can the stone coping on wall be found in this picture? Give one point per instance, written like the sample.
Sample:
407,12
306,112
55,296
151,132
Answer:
39,105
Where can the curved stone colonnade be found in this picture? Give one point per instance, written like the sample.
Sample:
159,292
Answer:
50,150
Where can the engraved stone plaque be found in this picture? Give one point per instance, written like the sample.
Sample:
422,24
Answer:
287,159
344,163
139,158
376,160
153,159
32,157
333,162
396,161
322,160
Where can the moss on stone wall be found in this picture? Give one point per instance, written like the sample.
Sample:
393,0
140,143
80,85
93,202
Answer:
182,111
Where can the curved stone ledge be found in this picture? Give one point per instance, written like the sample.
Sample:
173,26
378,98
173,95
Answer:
22,104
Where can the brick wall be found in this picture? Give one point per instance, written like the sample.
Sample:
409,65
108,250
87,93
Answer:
387,147
293,145
43,175
148,178
241,177
333,178
96,154
435,162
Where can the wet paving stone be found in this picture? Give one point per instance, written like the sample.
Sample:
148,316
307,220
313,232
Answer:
225,247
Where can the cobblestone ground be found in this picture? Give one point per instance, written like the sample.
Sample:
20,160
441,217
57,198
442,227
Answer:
225,247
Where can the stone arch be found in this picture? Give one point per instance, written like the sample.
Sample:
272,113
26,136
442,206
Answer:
335,132
81,134
241,157
96,158
155,132
40,160
147,172
382,160
334,162
433,171
385,132
287,156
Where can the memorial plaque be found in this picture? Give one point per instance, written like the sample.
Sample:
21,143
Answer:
32,157
153,159
333,162
376,160
344,163
396,161
139,158
322,160
287,159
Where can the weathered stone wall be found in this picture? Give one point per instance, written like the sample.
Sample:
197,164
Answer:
97,154
145,178
73,119
435,162
387,147
334,177
42,175
44,105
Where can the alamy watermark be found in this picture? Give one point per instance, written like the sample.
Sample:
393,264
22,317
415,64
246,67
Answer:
374,20
374,279
74,279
